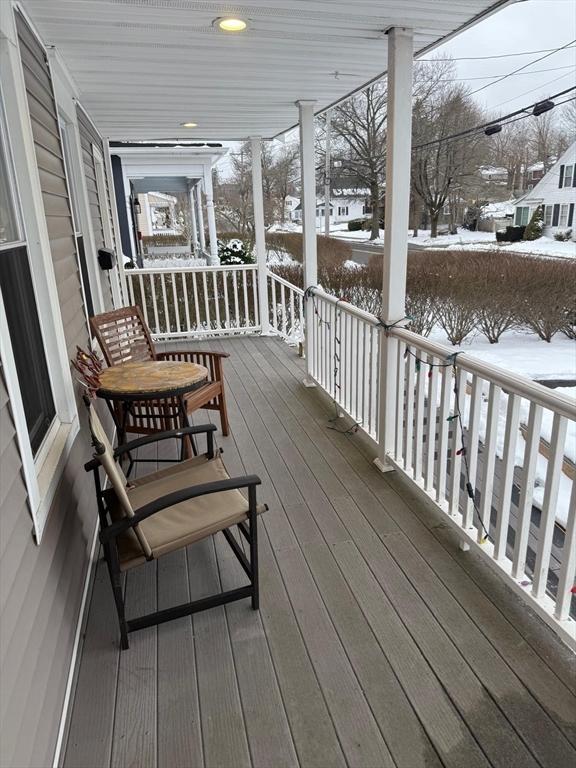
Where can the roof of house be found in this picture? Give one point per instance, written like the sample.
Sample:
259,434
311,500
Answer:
549,182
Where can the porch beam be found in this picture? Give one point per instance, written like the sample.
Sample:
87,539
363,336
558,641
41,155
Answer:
259,232
213,258
398,151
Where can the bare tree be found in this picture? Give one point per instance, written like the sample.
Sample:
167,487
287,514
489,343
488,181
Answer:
359,130
439,163
283,174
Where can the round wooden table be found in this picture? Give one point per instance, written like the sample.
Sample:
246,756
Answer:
127,383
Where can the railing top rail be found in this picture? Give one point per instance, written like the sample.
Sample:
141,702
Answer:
216,268
285,282
367,317
511,382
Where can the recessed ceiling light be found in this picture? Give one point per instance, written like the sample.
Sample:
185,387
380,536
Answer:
189,125
229,24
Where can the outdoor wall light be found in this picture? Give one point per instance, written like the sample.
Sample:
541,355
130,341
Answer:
230,24
189,125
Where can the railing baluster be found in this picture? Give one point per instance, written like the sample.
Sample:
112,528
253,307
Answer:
130,287
176,307
283,304
206,302
419,418
186,302
549,505
400,395
410,380
508,464
568,567
527,491
292,327
275,309
196,302
142,297
225,275
245,295
431,412
216,298
154,304
255,302
489,460
357,372
443,428
165,303
472,444
456,444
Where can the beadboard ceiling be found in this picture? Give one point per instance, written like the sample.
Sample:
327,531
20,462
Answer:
143,67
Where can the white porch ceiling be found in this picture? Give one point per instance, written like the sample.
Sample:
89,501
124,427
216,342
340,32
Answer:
143,67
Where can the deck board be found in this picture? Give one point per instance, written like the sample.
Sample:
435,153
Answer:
378,643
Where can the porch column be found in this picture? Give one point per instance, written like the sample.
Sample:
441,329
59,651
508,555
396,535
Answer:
211,217
201,232
308,204
193,217
398,148
327,175
259,232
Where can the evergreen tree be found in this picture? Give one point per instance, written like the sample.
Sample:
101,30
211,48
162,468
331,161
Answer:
534,229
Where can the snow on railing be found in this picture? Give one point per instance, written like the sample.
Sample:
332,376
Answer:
286,308
196,301
495,451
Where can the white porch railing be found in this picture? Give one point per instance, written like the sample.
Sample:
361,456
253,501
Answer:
489,447
286,308
196,301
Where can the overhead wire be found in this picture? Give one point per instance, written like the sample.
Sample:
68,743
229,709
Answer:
496,56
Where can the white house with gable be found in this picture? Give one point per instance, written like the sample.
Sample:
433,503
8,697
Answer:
556,191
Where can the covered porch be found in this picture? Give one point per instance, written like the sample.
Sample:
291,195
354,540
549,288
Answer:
378,641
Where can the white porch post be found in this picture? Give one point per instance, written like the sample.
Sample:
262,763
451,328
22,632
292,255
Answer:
327,175
308,204
193,217
211,216
398,148
201,232
259,231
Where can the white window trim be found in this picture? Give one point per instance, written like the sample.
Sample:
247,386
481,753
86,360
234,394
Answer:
563,215
43,474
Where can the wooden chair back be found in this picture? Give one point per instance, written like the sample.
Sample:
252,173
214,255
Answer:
123,336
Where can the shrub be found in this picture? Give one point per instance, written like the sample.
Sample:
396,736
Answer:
510,234
234,251
545,288
563,237
536,224
329,249
165,241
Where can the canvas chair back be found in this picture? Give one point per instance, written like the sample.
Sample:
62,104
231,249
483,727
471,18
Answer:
123,336
105,455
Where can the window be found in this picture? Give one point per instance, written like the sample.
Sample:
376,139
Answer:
522,216
548,216
563,219
23,324
568,171
342,210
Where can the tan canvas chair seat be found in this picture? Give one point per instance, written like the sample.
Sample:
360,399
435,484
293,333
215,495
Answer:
187,522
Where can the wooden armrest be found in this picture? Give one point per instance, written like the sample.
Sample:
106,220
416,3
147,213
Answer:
176,353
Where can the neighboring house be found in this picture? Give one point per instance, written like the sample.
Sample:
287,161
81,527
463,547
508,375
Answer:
345,205
491,173
556,191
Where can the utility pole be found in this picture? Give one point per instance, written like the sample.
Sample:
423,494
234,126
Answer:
327,178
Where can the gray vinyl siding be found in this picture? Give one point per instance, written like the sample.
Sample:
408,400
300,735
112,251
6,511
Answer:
89,137
48,148
41,586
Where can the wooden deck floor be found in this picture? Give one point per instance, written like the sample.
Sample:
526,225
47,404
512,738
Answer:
378,642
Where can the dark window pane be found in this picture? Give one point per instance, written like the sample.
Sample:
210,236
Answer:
27,344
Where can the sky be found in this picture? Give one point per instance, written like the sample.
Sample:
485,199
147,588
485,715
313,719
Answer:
530,25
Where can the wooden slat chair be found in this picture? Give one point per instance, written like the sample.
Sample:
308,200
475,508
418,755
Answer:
124,337
167,510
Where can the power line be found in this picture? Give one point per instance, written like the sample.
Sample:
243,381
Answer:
496,56
499,120
491,77
525,93
525,66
